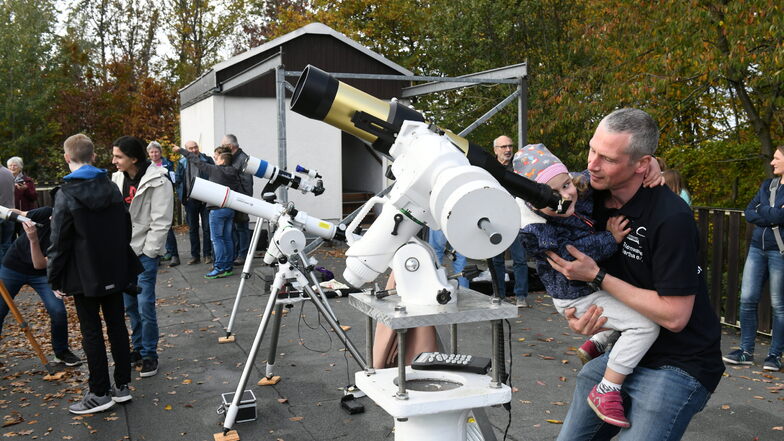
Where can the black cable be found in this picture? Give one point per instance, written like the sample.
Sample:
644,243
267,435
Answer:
320,325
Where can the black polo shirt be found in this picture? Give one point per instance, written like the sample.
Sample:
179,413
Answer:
19,257
661,254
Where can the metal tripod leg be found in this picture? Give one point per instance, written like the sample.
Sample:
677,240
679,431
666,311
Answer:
274,340
254,241
9,301
231,412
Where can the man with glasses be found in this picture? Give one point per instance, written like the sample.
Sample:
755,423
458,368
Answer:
504,148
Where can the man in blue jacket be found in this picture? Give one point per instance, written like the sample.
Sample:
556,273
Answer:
195,211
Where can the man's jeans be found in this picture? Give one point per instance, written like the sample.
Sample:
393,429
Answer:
659,403
759,267
222,245
437,240
520,270
196,213
241,238
6,236
141,310
14,281
171,244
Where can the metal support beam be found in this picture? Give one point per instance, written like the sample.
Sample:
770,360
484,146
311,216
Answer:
280,95
467,81
522,113
497,108
497,76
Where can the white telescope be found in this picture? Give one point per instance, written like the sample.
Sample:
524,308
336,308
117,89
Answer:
223,197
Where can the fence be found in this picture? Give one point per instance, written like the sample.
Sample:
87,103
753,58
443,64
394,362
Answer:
724,242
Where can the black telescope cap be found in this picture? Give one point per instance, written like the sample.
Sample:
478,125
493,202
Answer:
314,93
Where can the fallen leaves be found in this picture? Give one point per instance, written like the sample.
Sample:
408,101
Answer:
12,419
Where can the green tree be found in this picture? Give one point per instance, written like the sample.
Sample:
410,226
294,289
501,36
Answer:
197,31
26,36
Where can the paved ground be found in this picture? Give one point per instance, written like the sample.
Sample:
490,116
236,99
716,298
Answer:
180,402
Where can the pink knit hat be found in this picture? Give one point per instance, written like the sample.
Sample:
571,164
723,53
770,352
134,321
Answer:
537,163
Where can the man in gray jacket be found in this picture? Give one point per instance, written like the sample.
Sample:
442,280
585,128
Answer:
148,195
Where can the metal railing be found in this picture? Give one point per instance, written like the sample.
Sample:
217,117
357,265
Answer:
724,243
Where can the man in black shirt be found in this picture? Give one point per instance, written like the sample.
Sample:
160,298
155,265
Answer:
655,272
25,264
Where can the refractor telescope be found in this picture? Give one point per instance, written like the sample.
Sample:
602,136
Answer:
309,182
321,96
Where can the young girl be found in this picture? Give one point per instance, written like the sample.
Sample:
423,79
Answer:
632,333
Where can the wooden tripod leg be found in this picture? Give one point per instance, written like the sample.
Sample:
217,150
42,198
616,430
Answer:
26,328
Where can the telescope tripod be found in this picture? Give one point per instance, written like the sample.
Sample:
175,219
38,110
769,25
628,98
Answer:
254,241
299,276
51,368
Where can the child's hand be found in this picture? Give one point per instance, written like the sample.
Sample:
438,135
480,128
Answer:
653,177
617,225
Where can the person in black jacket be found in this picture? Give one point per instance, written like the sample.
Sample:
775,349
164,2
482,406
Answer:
221,219
90,258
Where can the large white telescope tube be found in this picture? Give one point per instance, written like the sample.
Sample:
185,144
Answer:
435,186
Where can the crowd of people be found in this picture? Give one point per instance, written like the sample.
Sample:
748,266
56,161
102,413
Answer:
120,227
621,265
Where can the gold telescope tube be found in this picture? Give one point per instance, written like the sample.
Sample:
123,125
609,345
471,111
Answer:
319,95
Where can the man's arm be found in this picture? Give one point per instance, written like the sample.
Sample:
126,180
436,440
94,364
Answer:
39,260
669,312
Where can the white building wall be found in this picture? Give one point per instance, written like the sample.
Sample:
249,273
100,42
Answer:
312,144
197,124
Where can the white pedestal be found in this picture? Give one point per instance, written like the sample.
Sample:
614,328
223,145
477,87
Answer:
438,401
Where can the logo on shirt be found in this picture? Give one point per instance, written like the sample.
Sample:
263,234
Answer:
131,194
631,246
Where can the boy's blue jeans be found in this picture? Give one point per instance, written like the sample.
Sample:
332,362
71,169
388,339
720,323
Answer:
13,283
659,403
141,310
221,221
761,266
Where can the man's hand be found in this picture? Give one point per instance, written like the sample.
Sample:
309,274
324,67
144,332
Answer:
617,225
589,323
583,268
32,232
58,294
176,149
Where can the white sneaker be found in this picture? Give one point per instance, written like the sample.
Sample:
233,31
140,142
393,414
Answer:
522,303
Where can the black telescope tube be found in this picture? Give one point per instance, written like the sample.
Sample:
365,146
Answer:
317,91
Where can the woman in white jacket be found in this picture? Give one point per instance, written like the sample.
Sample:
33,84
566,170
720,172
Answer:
149,197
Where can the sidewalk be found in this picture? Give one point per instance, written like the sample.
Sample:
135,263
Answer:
180,402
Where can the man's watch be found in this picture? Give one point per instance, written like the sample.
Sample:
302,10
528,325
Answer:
596,283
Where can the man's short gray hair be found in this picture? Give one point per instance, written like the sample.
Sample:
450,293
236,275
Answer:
638,123
154,145
232,140
16,160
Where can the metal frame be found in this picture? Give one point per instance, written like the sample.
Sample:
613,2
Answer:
513,74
